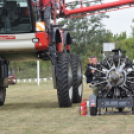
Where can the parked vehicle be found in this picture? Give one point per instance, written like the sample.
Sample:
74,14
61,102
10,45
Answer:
11,77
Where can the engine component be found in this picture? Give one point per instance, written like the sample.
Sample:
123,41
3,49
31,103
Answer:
114,76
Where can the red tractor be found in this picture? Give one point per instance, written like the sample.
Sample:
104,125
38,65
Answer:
23,38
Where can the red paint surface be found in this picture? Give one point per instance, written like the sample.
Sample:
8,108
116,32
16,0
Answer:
44,2
60,47
27,12
97,7
83,108
3,37
11,79
44,41
67,47
92,104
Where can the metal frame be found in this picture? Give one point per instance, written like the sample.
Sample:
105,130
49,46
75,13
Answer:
99,102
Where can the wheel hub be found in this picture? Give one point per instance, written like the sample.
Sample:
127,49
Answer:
115,77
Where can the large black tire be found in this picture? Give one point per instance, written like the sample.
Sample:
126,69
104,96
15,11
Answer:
77,78
2,96
64,80
93,111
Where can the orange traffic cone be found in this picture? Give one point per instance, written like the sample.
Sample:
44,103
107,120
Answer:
83,108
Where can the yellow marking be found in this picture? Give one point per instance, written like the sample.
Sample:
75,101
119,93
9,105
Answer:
40,26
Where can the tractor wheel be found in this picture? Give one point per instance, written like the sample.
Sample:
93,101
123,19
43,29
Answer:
64,80
93,111
2,96
77,78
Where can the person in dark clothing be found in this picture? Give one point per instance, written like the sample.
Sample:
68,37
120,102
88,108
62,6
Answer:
88,73
95,73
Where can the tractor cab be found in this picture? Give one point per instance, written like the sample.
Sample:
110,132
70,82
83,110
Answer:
18,16
18,29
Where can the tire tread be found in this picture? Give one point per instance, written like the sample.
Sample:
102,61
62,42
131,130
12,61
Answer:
2,96
62,81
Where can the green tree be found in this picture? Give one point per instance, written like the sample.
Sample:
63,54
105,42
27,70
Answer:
132,27
121,36
128,46
88,34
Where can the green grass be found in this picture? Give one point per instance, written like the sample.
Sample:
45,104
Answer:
30,109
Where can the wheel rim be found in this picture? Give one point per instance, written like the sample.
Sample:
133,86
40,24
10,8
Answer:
70,76
80,90
71,93
79,79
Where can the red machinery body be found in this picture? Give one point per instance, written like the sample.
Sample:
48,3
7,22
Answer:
64,12
97,7
43,42
26,39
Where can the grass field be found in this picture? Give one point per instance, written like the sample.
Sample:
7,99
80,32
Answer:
30,109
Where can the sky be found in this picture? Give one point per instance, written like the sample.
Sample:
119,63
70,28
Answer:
119,21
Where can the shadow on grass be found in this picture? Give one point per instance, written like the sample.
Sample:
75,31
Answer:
30,105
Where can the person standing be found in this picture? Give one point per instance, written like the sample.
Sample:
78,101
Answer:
46,8
96,74
88,73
